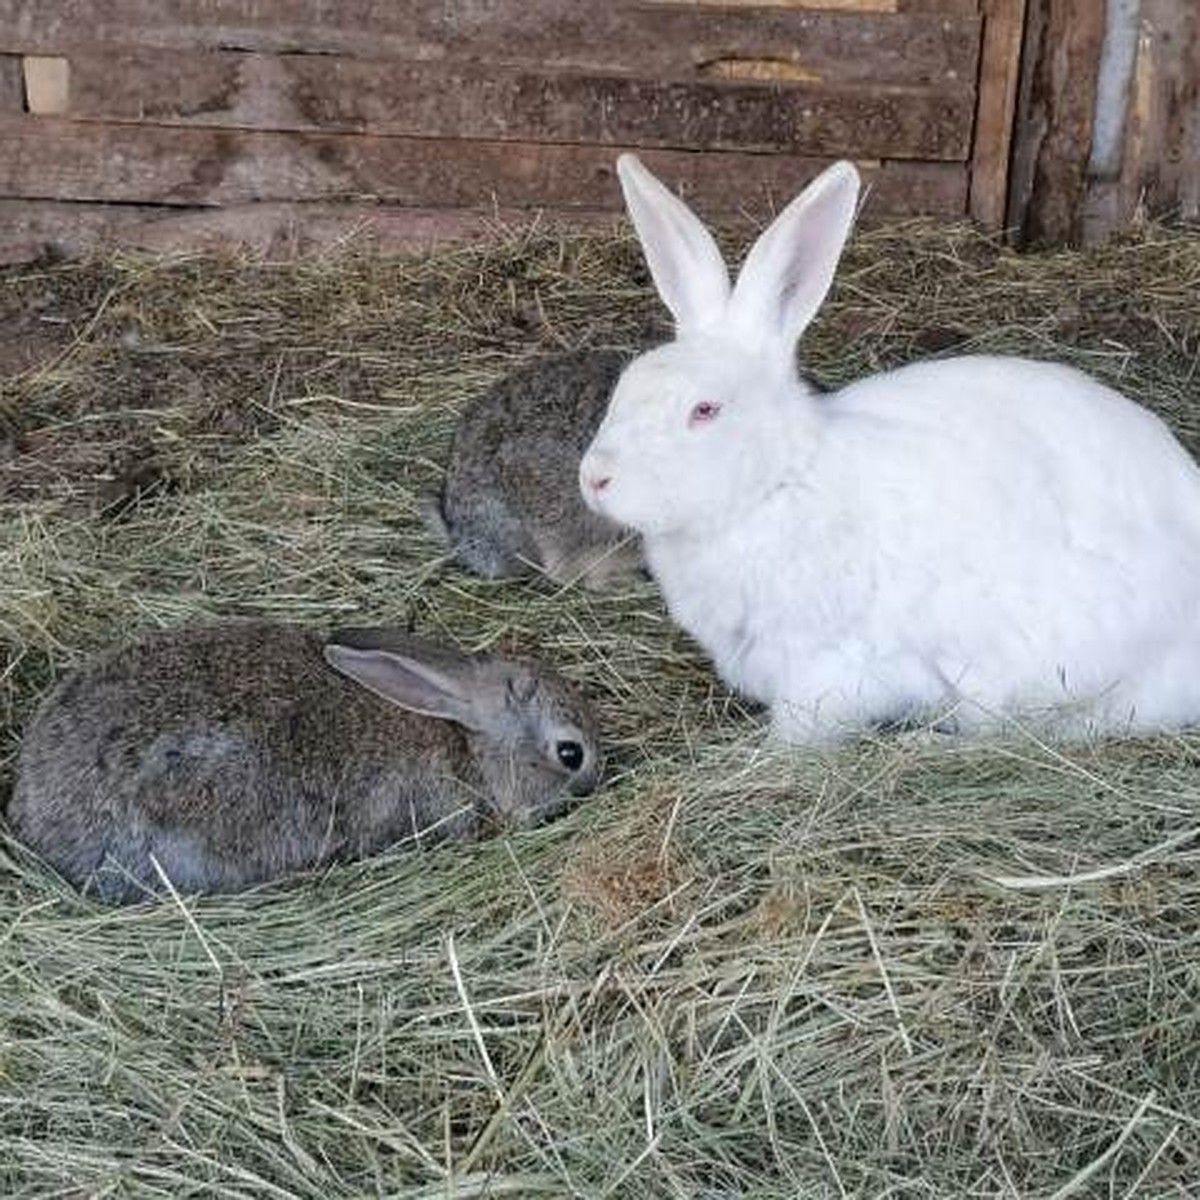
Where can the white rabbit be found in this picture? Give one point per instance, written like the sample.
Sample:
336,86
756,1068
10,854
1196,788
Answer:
972,539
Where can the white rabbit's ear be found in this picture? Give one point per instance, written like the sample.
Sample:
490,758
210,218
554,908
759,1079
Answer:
790,269
688,270
431,689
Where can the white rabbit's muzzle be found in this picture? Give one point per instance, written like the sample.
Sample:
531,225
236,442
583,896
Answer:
595,479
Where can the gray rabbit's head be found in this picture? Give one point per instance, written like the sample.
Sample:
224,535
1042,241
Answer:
529,731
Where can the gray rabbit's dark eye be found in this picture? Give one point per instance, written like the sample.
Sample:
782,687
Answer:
570,754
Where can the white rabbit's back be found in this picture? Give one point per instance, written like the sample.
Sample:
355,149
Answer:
1004,532
999,535
1059,525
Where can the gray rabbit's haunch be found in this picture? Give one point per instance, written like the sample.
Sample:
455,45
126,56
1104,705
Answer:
509,503
228,755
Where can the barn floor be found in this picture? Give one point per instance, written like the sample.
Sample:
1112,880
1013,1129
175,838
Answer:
735,971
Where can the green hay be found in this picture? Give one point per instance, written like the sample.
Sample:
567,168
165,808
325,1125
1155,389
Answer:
900,970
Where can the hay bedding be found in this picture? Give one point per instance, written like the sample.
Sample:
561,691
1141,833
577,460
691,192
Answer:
736,971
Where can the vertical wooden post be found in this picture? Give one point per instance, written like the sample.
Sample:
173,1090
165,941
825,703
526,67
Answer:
999,69
1055,111
1161,162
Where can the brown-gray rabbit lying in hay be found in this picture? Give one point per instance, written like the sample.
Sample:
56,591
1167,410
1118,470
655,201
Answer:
234,754
510,501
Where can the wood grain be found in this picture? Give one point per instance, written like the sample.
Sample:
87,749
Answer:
32,229
47,158
664,42
12,90
1158,170
999,71
1055,112
444,100
1167,162
857,6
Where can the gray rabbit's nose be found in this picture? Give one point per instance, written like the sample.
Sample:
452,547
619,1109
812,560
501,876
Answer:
584,783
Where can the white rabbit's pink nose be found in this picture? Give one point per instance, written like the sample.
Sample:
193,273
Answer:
595,474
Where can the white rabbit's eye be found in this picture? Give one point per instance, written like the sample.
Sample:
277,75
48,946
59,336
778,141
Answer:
703,412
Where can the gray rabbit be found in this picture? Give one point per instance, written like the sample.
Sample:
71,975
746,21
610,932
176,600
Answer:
234,754
510,501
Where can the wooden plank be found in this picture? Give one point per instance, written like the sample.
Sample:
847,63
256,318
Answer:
956,7
310,92
49,158
858,6
12,89
47,85
1055,111
1154,167
636,38
1164,170
904,50
33,229
1000,61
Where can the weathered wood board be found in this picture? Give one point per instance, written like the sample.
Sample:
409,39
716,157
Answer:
996,101
1057,107
1162,161
60,159
12,90
381,107
472,100
647,37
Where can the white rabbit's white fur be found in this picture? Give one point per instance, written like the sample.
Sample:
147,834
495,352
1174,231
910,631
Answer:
985,537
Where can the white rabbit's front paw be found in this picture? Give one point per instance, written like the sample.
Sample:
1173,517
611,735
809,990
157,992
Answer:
823,722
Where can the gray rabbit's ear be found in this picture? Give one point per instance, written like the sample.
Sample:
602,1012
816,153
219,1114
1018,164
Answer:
396,640
435,684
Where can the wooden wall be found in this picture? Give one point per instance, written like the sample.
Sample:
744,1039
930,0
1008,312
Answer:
276,121
287,123
1159,170
1060,190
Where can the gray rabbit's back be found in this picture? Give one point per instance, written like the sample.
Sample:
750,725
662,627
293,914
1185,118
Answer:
510,498
232,754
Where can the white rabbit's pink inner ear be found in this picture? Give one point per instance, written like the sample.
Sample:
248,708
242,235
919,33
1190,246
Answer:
790,269
688,271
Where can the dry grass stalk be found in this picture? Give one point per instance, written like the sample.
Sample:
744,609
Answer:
736,971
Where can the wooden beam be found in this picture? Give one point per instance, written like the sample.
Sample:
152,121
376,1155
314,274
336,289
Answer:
471,100
31,229
639,39
999,69
857,6
52,159
1161,167
1055,112
954,7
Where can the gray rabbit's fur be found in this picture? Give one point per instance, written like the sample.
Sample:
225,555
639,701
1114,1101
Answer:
235,754
510,502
